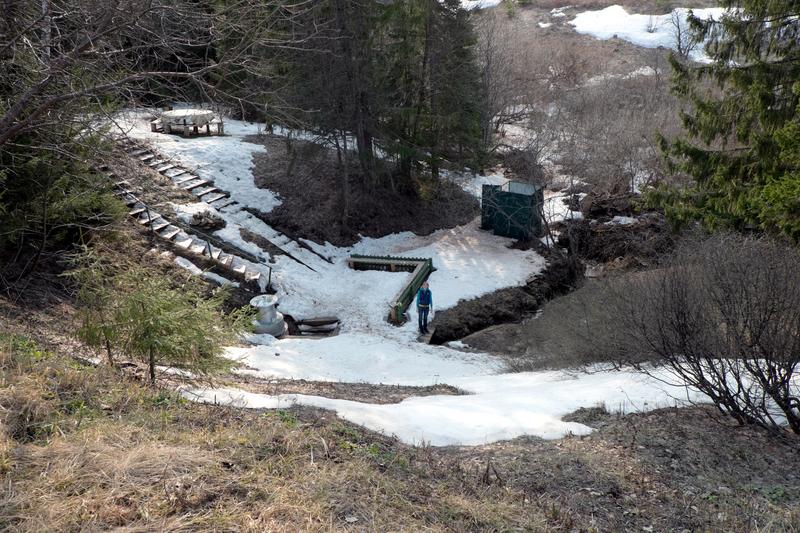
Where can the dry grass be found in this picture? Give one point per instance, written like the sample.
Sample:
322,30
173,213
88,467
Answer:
106,453
131,458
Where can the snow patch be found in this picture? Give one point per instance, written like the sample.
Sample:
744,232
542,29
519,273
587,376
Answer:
648,31
622,221
227,159
479,4
500,407
473,183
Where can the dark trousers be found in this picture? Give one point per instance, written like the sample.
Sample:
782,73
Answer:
423,317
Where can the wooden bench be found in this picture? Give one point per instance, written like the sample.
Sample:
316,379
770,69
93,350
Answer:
419,267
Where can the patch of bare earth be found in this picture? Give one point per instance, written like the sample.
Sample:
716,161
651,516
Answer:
357,392
308,183
667,470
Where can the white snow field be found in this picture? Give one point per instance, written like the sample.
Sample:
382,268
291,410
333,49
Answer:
648,31
500,407
479,4
469,263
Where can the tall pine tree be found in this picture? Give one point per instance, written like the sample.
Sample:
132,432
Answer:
740,143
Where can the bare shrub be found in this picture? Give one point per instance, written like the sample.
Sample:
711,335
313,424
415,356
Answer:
724,317
609,128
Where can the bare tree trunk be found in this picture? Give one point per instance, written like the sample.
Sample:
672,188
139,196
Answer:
152,364
46,29
345,184
109,353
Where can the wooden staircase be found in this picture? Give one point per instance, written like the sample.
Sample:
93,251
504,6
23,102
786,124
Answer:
206,191
186,242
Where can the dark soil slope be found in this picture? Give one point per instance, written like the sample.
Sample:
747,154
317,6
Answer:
311,206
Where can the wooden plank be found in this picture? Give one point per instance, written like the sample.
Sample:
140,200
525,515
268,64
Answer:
203,192
146,157
185,244
157,162
164,168
225,204
198,247
137,210
186,179
160,225
170,233
152,219
194,184
216,197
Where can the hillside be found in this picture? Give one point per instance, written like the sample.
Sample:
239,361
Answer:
458,265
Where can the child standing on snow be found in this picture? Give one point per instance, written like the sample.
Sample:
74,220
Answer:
424,305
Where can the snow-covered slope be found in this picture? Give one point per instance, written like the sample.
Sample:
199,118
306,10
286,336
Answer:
469,263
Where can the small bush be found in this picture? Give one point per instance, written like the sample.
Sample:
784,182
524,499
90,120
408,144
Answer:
724,317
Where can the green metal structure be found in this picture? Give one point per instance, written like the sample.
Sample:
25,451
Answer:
419,267
513,210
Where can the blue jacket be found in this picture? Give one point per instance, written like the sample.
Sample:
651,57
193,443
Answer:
424,297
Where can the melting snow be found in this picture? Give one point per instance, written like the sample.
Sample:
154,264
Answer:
649,31
501,406
469,263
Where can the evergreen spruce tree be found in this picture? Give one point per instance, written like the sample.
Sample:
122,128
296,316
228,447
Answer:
125,309
741,128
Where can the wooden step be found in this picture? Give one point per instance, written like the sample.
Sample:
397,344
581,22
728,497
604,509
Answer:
194,184
198,247
226,259
146,157
158,226
175,172
137,210
170,232
203,192
241,268
216,253
157,162
129,199
152,219
164,168
136,152
185,244
221,202
215,197
186,179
